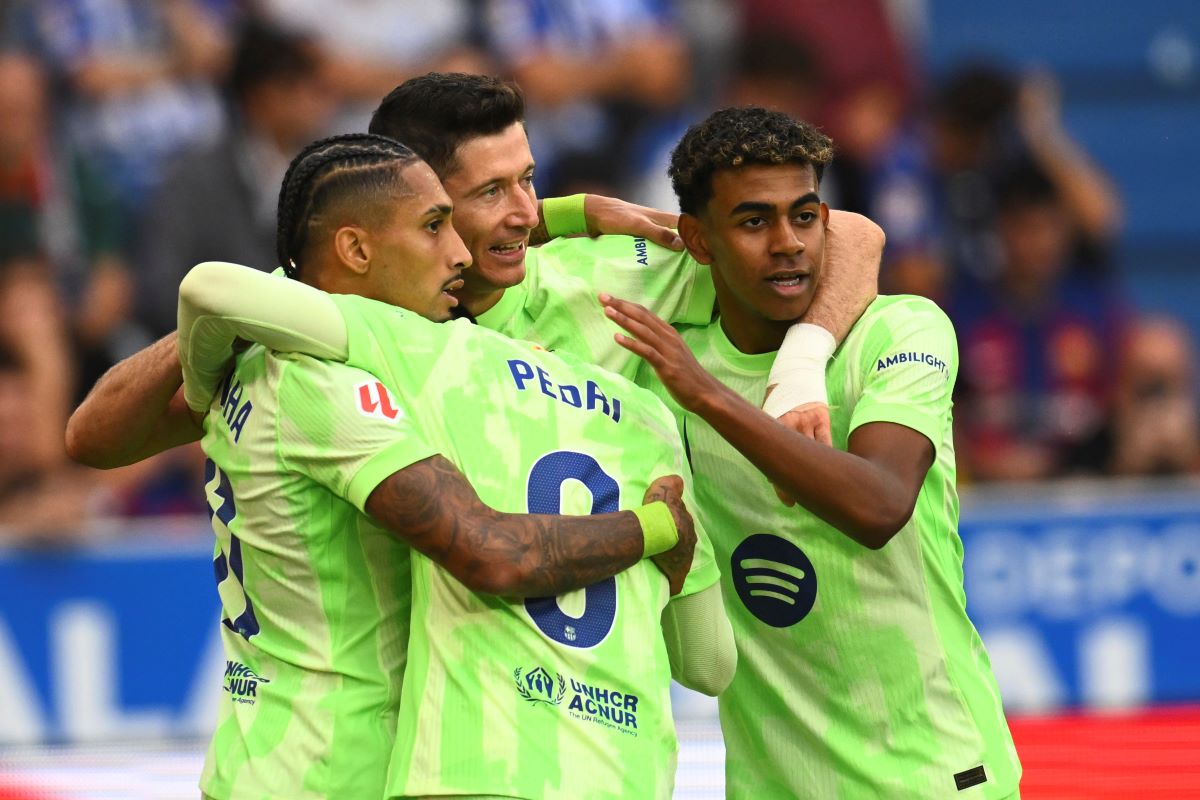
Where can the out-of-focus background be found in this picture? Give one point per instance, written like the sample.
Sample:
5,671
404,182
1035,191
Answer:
1034,165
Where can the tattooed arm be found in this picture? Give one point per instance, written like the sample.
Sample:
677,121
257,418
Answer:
431,506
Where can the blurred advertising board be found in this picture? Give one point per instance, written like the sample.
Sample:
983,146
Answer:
112,640
1087,595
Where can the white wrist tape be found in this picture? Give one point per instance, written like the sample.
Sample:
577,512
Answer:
798,375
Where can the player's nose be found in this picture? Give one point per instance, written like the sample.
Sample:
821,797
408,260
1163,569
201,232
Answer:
524,211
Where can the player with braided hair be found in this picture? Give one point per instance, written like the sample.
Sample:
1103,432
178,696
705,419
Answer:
471,130
311,177
319,472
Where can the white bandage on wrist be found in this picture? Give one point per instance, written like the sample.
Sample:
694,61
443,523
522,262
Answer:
798,375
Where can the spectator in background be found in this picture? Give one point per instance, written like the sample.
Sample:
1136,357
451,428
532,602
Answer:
1156,429
36,484
57,217
768,70
1036,375
368,47
775,72
136,77
56,232
935,193
599,78
219,203
865,88
35,365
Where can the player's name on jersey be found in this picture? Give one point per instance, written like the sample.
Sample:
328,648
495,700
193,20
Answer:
235,412
608,708
589,397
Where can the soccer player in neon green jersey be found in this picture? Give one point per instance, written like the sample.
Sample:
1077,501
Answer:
859,675
314,593
562,697
561,684
470,129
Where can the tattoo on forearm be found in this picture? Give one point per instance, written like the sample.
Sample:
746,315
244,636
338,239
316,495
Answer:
433,507
540,234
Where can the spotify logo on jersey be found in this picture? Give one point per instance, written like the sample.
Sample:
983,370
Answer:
774,578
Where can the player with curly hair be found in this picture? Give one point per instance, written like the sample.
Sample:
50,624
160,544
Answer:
860,674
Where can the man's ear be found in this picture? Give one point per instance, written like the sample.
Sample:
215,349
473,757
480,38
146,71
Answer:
693,238
824,214
353,248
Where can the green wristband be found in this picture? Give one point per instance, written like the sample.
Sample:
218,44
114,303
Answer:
564,216
658,528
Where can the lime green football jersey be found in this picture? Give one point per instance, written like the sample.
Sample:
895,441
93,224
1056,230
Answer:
859,673
314,596
556,304
563,697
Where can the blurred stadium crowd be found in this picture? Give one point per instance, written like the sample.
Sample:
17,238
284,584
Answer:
138,137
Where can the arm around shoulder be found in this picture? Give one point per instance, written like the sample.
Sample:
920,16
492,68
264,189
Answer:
431,506
850,273
134,411
221,302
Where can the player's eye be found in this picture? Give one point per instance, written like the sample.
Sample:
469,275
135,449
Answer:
434,225
754,222
806,217
491,191
527,180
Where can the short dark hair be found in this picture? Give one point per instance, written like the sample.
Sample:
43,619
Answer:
738,137
266,54
769,55
1026,186
325,173
976,98
436,112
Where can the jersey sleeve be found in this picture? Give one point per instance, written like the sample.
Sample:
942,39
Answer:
389,341
704,571
672,284
691,297
664,423
344,428
910,364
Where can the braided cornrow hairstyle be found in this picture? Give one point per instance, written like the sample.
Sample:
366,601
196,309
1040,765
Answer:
327,170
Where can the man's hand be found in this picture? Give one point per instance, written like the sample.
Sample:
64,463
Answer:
610,215
808,419
662,348
811,420
688,382
676,562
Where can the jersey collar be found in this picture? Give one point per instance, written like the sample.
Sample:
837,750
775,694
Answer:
747,363
510,302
